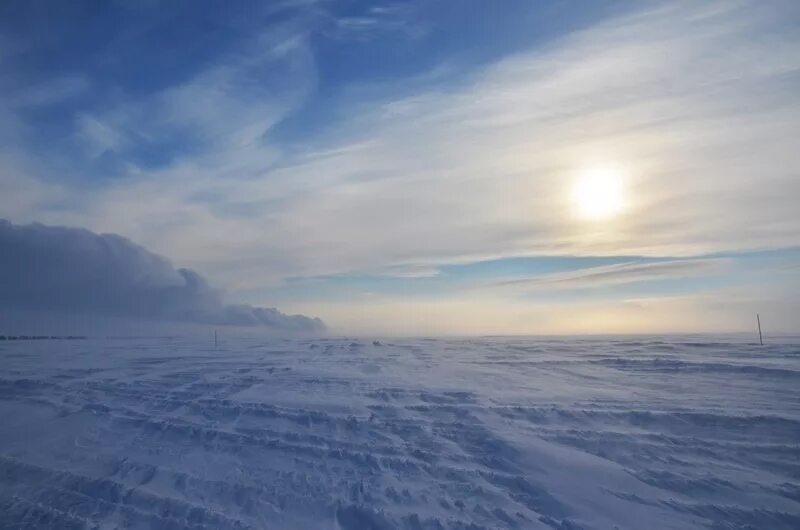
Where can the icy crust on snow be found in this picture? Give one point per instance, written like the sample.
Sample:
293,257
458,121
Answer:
488,433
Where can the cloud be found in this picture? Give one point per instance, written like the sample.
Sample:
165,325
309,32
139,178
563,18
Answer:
69,270
98,137
484,169
697,106
53,92
701,120
380,20
220,114
622,273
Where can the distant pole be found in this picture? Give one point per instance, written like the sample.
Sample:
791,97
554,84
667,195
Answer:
215,339
760,338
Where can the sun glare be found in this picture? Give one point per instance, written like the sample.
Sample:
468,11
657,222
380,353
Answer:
598,194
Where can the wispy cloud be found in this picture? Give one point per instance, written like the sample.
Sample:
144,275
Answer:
100,138
51,92
378,20
484,170
698,108
218,116
621,273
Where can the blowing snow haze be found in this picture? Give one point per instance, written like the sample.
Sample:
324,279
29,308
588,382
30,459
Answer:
59,271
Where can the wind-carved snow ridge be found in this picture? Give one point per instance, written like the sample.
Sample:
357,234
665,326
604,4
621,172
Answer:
516,433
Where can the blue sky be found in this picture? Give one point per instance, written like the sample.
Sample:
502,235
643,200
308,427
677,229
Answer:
71,63
409,167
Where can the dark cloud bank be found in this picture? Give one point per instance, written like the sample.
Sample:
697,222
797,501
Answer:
69,271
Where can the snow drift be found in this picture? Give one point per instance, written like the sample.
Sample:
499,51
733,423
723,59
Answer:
657,433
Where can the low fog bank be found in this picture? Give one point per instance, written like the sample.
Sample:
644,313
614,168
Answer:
58,280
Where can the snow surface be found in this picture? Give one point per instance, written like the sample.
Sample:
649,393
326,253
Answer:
592,433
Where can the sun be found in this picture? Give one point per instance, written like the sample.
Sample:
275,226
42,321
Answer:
598,194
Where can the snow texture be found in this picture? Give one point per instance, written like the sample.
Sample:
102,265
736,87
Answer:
468,434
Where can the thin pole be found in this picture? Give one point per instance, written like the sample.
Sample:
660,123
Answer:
215,339
760,338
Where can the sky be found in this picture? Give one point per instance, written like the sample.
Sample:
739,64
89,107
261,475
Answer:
414,168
